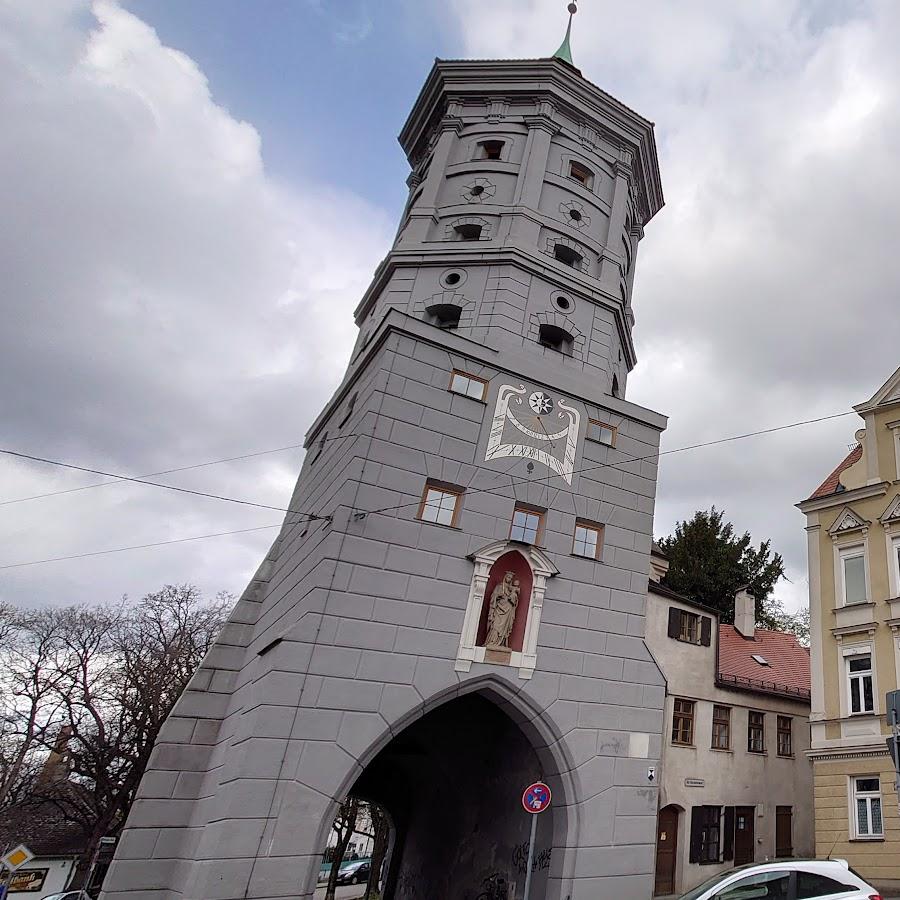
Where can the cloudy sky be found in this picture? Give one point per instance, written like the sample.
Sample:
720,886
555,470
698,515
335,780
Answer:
195,195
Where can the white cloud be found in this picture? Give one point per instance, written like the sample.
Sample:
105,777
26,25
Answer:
766,288
165,300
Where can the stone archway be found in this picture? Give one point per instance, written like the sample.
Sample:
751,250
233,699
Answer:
452,783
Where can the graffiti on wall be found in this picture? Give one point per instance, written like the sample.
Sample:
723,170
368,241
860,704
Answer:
520,858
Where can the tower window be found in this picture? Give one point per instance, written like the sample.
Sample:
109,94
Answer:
476,190
445,315
581,174
615,386
467,385
348,411
567,255
440,504
555,338
601,433
468,232
451,279
491,149
321,445
588,539
527,525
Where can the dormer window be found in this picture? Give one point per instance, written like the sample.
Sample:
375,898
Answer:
555,338
468,232
491,149
567,255
582,174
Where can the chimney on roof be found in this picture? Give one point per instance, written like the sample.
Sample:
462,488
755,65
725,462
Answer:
745,613
659,563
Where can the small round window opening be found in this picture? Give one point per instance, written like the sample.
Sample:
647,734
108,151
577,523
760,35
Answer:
575,215
476,190
563,303
452,278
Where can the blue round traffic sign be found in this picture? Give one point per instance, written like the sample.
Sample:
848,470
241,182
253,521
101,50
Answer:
536,798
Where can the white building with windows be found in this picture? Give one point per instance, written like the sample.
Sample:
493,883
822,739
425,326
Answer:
735,783
853,528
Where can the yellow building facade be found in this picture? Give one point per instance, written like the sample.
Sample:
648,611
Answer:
853,529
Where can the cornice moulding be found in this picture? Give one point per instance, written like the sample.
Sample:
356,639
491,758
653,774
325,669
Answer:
402,323
844,498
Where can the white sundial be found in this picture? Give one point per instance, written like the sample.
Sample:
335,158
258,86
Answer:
540,403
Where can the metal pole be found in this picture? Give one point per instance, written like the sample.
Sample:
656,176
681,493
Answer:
534,819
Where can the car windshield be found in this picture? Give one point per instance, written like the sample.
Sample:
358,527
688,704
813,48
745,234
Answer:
701,889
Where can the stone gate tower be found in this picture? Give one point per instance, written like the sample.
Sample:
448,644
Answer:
454,606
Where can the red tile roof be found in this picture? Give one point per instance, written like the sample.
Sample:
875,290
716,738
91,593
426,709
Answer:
832,483
788,669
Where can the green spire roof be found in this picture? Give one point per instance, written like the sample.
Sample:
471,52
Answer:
565,48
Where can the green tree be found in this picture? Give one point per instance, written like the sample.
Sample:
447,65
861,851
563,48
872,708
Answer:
709,563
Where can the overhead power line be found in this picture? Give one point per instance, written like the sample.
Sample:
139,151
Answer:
97,484
196,537
312,516
157,484
626,461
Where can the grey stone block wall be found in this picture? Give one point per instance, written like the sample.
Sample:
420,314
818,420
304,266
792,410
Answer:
350,634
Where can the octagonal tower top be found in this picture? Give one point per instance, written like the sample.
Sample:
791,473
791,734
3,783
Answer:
558,90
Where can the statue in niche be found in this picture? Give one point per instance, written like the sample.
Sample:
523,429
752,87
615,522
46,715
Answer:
502,612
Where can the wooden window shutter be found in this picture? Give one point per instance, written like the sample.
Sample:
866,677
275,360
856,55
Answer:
674,621
697,818
705,630
728,837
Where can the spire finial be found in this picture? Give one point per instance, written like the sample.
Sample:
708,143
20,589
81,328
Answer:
565,48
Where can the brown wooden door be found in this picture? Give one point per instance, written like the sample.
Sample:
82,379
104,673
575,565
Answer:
783,842
744,843
666,850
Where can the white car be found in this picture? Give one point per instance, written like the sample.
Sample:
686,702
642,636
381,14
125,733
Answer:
790,879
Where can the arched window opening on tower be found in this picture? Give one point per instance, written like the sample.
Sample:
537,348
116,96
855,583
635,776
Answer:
567,255
491,149
468,231
444,315
615,386
581,174
556,338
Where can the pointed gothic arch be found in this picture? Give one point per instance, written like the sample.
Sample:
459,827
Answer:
488,696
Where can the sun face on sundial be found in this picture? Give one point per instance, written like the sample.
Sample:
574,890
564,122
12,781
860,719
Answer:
540,403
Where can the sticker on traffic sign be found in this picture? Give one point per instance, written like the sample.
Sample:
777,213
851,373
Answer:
536,797
17,858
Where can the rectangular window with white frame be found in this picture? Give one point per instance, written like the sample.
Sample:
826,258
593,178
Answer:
854,588
861,688
895,565
467,385
867,820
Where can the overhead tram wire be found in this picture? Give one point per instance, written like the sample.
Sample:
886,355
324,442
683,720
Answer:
513,482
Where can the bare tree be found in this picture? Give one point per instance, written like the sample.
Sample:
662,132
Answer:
381,827
30,679
344,825
109,677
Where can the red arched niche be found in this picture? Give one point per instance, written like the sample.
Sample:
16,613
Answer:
511,561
